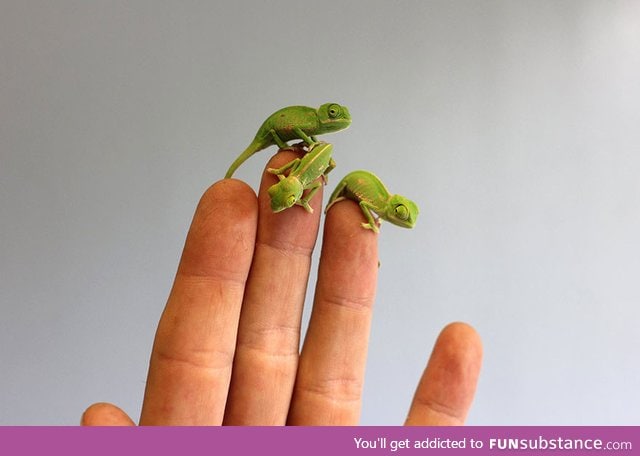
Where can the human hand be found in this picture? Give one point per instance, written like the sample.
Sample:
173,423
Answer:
226,349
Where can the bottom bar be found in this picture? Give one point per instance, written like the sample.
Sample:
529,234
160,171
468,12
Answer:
284,441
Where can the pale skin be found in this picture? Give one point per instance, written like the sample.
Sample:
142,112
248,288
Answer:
226,347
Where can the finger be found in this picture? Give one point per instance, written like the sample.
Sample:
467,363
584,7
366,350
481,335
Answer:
448,384
190,365
269,334
105,414
332,363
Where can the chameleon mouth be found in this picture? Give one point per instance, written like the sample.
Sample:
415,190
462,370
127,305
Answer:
337,124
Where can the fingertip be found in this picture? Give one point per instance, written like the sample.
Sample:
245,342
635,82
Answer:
226,216
232,190
448,385
346,217
348,248
293,228
348,251
461,338
105,414
456,361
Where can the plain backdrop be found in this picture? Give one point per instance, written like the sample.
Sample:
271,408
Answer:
515,125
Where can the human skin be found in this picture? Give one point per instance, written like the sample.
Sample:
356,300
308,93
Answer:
226,349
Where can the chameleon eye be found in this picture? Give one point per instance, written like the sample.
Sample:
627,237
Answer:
402,212
334,111
291,200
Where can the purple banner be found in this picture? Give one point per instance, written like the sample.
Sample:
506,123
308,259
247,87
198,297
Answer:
316,441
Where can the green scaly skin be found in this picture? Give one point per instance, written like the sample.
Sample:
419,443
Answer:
303,175
295,122
373,197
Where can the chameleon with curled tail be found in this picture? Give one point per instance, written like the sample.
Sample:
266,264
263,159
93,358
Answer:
373,197
295,122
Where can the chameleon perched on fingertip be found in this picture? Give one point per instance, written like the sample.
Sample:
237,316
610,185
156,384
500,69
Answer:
370,193
295,122
305,173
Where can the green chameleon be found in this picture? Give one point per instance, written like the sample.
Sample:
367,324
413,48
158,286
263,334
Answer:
373,197
303,175
295,122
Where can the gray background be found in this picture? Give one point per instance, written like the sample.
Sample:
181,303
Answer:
514,125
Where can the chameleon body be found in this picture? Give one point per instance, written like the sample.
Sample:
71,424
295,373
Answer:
373,197
295,122
303,175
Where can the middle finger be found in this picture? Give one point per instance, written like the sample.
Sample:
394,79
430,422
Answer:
268,341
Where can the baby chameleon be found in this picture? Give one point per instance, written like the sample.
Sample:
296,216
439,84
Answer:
304,174
366,189
295,122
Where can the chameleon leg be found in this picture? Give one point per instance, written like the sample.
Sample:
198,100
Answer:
325,177
304,136
279,171
304,202
366,210
281,144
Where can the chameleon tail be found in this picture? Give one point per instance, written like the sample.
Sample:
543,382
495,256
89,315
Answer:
337,195
254,147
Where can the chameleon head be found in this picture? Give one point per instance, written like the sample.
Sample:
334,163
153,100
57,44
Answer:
402,211
333,117
285,194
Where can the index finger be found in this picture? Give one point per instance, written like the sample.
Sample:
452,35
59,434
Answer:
190,367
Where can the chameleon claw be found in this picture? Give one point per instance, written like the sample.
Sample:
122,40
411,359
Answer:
307,207
368,226
299,148
325,175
